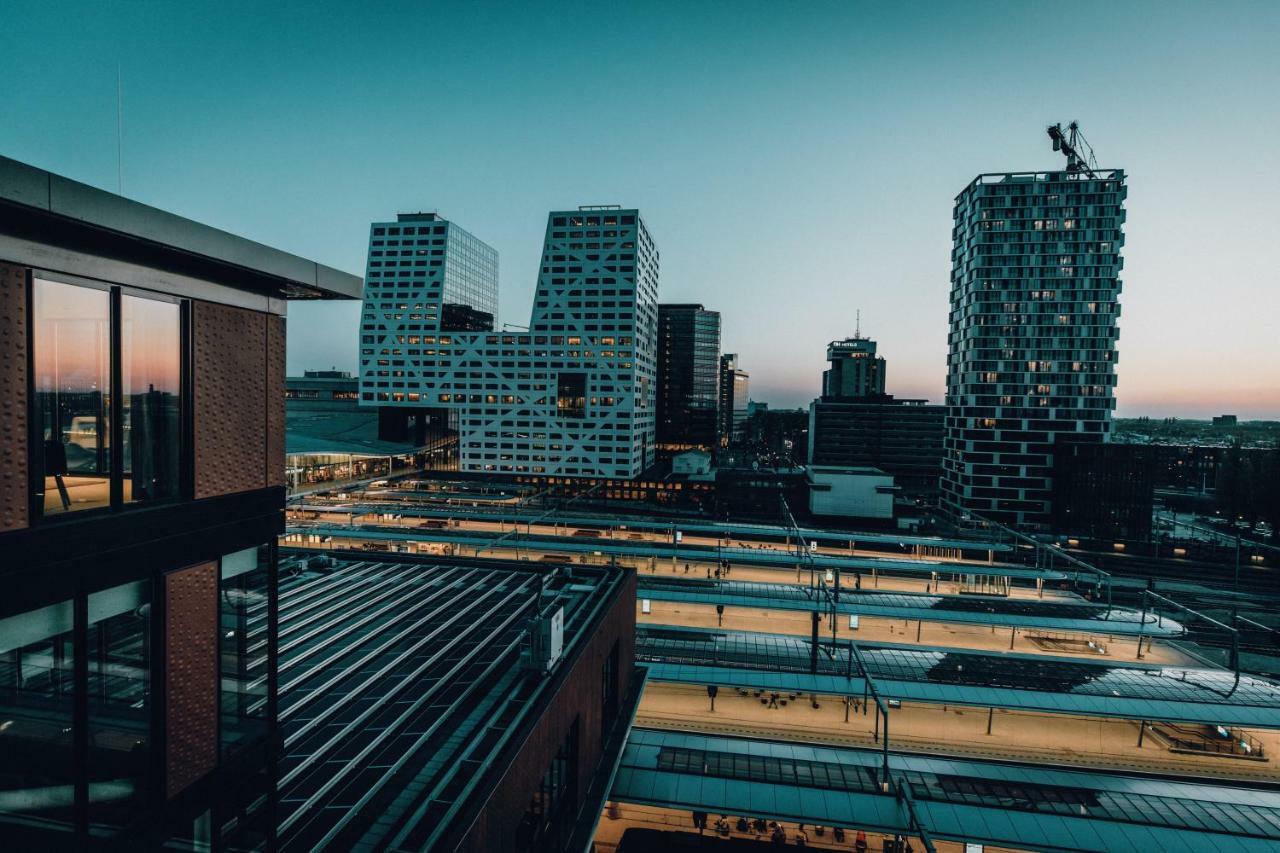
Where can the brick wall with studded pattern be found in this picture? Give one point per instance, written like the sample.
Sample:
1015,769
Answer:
275,400
231,405
13,397
191,674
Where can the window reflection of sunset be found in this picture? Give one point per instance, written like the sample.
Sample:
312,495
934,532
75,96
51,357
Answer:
71,349
149,333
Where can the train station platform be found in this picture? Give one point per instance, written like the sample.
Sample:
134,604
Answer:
570,547
1094,742
944,676
984,610
1090,645
408,503
1024,806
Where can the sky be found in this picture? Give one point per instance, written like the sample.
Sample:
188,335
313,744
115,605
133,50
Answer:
795,162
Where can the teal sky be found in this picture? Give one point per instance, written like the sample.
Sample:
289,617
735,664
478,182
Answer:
794,161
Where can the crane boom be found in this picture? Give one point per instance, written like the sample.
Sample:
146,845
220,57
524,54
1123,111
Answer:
1070,144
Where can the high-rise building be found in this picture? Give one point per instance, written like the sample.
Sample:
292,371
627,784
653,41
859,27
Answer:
688,377
855,371
856,425
425,275
735,395
1034,301
142,421
574,396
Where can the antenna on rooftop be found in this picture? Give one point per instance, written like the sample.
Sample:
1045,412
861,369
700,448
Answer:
119,130
857,330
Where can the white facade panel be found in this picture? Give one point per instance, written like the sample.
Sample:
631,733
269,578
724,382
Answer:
575,395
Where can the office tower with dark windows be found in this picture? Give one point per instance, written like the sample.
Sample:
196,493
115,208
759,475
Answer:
902,438
854,424
573,396
1035,288
735,394
1103,492
142,442
855,369
688,377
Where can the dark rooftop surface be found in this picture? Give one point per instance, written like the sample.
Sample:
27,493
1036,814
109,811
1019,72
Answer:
339,433
399,681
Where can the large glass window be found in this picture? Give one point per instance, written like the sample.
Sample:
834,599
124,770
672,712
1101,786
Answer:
151,368
36,705
90,356
72,358
244,593
118,650
571,395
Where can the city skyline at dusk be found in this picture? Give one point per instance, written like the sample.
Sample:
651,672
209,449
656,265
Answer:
791,175
630,428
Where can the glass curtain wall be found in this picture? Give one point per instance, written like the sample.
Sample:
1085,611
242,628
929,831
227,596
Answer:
118,649
244,595
37,674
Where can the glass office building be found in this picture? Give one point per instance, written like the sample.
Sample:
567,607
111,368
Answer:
688,377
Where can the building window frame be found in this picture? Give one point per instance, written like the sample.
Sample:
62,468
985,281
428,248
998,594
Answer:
115,421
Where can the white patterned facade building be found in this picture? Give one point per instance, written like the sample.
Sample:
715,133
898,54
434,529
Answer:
573,396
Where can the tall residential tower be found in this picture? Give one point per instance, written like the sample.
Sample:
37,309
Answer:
1035,284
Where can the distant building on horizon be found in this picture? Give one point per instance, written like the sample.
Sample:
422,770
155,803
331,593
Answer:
1225,421
1035,284
572,396
1103,491
855,425
855,371
688,396
322,390
735,393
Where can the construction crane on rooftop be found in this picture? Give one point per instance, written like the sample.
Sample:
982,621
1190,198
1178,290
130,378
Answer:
1078,151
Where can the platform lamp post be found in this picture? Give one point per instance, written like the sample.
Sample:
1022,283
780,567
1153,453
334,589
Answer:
1235,585
813,650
